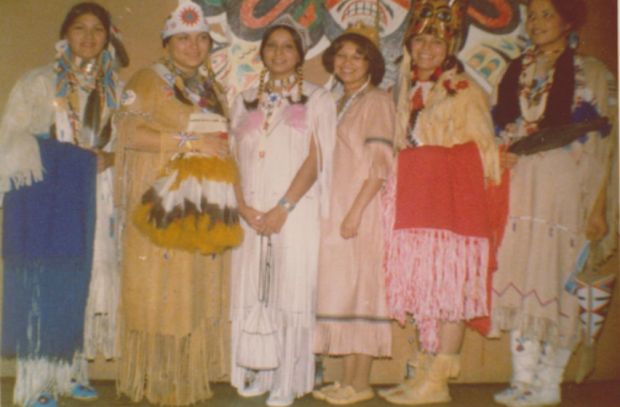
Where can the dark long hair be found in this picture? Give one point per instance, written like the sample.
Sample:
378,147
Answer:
86,8
253,105
573,12
365,48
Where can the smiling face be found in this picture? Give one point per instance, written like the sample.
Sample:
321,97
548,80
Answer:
428,53
86,36
546,28
280,54
188,51
350,66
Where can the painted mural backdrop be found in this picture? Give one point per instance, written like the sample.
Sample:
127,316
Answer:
494,36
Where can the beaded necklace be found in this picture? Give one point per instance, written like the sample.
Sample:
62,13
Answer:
67,102
200,88
533,92
282,83
270,105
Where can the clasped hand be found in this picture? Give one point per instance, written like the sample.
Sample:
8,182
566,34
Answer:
264,223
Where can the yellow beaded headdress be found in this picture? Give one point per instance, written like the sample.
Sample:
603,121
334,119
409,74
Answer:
365,30
442,18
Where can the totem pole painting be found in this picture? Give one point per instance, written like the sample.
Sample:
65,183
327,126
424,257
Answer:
495,34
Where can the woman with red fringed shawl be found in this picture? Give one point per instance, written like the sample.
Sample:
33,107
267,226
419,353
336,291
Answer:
438,231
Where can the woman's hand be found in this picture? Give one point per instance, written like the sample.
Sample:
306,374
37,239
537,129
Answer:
254,218
507,160
105,159
596,228
215,144
274,220
350,224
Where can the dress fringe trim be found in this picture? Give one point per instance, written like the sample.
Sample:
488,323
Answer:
531,327
435,275
42,375
336,338
167,370
100,322
20,179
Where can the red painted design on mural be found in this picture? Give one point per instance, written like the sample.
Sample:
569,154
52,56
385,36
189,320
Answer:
247,16
504,14
404,3
309,16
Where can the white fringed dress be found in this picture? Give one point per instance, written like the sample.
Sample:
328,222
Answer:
264,181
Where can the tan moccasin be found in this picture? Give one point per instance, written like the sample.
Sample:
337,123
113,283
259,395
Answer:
348,395
321,393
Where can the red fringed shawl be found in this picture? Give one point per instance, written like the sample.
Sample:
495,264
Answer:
438,238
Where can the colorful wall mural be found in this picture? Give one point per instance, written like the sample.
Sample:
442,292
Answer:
495,33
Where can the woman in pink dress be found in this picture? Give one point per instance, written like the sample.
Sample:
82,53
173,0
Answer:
352,316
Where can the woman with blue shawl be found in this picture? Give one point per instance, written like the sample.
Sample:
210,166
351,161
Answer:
56,178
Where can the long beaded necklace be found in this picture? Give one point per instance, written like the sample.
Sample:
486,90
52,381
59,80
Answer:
73,76
533,92
271,104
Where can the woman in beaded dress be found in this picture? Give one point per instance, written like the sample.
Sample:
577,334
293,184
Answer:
174,333
559,199
72,101
284,133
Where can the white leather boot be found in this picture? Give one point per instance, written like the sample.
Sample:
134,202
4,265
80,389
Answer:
525,359
550,372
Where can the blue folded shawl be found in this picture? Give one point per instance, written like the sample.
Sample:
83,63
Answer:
48,236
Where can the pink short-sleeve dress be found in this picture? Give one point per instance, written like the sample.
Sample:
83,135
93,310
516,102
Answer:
352,315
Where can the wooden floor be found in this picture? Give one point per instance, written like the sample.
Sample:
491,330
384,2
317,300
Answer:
589,394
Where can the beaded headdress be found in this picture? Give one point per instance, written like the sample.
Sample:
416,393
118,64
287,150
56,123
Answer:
288,21
188,17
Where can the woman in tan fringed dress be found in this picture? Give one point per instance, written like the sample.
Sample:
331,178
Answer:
561,200
174,334
352,314
439,229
